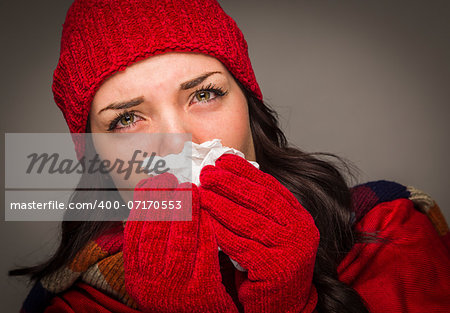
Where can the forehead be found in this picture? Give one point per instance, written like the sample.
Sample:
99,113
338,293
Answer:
160,70
167,65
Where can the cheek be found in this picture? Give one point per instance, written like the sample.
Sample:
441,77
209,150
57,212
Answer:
122,152
232,127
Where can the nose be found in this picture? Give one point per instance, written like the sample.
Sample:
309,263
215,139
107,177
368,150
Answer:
172,120
174,130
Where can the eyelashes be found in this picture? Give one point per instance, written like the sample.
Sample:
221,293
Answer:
125,116
220,92
128,119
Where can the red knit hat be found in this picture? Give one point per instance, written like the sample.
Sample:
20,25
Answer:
101,37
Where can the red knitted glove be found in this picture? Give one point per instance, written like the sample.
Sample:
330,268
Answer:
173,266
261,225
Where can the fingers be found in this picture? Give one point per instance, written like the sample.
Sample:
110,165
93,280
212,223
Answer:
236,165
243,222
250,254
149,237
165,180
171,245
148,192
184,234
137,246
248,194
208,258
241,167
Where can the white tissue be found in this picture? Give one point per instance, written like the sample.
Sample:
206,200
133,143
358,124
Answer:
201,155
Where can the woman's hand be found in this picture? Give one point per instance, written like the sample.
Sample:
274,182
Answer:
261,225
173,266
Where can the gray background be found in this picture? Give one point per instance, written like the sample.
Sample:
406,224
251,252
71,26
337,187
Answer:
367,80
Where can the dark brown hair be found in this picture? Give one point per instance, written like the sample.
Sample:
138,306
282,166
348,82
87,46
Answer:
321,188
316,181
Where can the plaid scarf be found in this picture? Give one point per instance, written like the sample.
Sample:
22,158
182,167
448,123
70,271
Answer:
100,262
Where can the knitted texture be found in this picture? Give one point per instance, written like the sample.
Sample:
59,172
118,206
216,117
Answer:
367,196
260,224
107,249
101,37
99,264
407,269
178,261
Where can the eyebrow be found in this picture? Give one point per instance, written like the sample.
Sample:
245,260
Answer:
136,101
196,81
123,104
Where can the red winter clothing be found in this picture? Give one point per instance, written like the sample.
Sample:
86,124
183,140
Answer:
82,298
411,273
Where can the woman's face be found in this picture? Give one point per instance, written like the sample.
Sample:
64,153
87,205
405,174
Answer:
185,93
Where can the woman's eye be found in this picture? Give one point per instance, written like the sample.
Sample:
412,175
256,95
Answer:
203,95
208,93
206,96
124,120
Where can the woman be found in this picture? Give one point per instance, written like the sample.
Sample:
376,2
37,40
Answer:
308,243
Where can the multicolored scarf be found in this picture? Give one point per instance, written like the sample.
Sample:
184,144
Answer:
100,262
